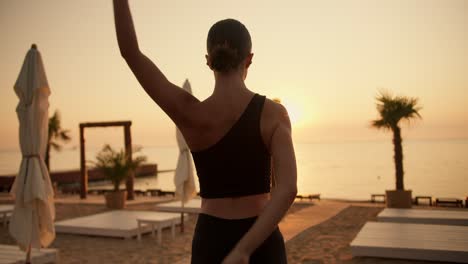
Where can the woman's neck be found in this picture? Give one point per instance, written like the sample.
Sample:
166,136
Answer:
229,85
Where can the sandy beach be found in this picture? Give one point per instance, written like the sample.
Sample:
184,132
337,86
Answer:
330,227
352,108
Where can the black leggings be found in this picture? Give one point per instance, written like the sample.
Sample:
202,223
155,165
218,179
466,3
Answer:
215,237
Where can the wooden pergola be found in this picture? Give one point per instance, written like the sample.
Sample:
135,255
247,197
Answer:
128,152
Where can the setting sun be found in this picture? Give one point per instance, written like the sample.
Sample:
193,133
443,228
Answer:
297,111
294,111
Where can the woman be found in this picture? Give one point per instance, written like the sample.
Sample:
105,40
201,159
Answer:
233,136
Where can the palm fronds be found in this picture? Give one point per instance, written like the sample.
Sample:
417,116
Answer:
115,165
393,109
56,136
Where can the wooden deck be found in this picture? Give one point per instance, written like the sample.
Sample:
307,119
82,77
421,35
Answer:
443,243
420,216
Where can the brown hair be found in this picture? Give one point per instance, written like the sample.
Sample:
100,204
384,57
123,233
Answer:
228,44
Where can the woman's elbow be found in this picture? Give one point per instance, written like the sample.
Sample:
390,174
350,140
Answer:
292,192
129,54
288,192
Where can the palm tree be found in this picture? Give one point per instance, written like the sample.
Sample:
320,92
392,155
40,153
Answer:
115,164
392,110
56,134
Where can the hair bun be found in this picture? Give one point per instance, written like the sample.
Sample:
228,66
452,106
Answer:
228,44
224,58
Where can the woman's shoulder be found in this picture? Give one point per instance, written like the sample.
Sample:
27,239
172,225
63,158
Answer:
274,115
274,110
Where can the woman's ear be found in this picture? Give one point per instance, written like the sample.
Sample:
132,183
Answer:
208,62
248,60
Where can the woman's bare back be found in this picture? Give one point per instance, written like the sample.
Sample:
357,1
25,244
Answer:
215,118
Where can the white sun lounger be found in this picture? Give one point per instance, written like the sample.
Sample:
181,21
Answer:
158,221
437,217
12,254
5,213
193,206
445,243
119,223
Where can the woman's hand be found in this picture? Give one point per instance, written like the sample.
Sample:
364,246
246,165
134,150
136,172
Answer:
236,257
282,196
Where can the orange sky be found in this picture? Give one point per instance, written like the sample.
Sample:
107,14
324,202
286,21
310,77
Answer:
325,59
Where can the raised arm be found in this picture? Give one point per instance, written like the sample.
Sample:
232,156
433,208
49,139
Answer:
282,196
174,101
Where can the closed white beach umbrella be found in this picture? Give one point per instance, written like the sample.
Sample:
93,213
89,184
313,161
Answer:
183,176
32,221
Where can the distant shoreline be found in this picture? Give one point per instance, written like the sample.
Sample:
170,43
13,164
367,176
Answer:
327,141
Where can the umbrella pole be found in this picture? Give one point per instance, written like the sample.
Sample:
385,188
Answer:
182,216
28,255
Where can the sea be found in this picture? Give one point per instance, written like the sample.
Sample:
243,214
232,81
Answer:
340,170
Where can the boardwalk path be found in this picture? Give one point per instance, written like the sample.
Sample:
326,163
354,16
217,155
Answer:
297,222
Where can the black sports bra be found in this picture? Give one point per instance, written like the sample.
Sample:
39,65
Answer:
239,163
